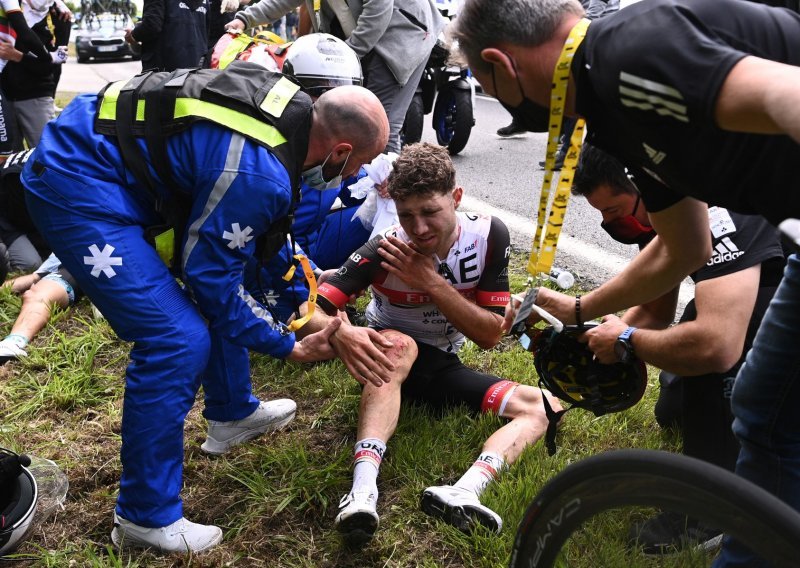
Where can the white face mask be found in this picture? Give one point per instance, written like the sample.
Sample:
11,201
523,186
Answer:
314,178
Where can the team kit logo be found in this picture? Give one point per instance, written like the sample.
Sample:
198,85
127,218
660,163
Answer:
725,251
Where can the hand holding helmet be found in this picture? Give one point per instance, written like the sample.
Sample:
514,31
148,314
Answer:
568,368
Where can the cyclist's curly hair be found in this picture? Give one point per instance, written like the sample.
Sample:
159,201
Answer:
421,169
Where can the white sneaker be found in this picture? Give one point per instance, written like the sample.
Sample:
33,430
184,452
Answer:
358,518
460,508
269,416
180,536
10,350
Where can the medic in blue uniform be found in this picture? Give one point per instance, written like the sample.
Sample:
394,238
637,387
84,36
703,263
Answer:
95,214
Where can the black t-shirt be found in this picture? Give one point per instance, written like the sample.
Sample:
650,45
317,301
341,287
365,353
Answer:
739,242
647,80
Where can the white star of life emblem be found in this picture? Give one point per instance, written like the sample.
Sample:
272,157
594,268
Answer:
238,238
271,298
102,261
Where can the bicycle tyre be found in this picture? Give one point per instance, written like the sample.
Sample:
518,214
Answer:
452,118
655,479
415,119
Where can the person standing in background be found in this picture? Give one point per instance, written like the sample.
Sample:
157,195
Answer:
392,38
172,34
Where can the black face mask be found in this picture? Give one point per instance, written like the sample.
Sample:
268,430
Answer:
527,114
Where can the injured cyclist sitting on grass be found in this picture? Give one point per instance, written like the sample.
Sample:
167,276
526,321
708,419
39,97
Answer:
436,279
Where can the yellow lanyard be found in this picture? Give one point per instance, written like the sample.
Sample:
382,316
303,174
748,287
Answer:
312,291
545,241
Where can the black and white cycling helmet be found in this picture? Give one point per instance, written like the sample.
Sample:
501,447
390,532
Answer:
18,499
320,62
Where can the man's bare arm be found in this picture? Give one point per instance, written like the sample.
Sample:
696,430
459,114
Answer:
760,96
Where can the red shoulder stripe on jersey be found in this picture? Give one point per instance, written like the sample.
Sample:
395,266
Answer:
485,298
333,295
417,297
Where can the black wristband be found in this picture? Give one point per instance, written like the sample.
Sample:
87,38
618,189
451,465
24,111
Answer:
578,320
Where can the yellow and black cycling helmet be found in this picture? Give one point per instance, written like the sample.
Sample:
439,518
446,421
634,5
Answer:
568,369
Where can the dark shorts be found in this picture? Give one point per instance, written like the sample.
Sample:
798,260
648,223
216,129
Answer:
440,379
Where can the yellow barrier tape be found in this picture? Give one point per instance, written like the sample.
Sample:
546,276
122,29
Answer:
545,240
312,291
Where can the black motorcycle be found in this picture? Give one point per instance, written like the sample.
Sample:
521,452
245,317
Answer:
446,90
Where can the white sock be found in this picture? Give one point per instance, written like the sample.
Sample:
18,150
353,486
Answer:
16,339
485,469
368,454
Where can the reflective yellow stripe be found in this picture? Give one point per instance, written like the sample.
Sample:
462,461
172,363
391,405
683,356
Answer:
279,96
232,119
108,106
235,47
186,107
165,246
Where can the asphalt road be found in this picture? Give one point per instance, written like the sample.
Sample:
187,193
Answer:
91,77
499,175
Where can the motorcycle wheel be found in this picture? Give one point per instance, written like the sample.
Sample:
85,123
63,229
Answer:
452,118
412,127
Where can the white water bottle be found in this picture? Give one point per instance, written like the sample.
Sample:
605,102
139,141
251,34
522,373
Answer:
563,278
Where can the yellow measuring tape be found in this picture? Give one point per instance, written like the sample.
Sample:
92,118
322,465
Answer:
312,290
545,241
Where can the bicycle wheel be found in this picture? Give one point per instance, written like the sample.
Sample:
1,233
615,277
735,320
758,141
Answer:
655,479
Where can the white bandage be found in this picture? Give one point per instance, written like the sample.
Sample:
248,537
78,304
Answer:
229,6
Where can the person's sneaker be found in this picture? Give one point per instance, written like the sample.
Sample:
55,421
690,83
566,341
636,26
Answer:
460,508
669,533
511,130
10,350
269,416
358,518
557,166
181,536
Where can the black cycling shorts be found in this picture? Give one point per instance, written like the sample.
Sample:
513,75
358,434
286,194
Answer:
440,379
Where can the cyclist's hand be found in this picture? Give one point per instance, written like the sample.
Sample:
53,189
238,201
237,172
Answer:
511,311
601,339
404,261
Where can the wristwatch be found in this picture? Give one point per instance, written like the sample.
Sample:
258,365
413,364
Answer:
623,347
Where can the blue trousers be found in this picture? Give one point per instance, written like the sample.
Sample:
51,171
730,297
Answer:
173,349
764,402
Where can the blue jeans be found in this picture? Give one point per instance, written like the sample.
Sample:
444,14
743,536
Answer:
764,402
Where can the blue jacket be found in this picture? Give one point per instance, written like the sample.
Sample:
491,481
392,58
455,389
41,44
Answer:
238,189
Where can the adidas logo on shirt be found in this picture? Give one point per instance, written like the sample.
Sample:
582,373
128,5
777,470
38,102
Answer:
725,251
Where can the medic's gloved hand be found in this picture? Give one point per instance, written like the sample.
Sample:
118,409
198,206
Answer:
229,6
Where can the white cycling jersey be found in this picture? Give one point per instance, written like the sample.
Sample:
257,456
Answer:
7,33
477,266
